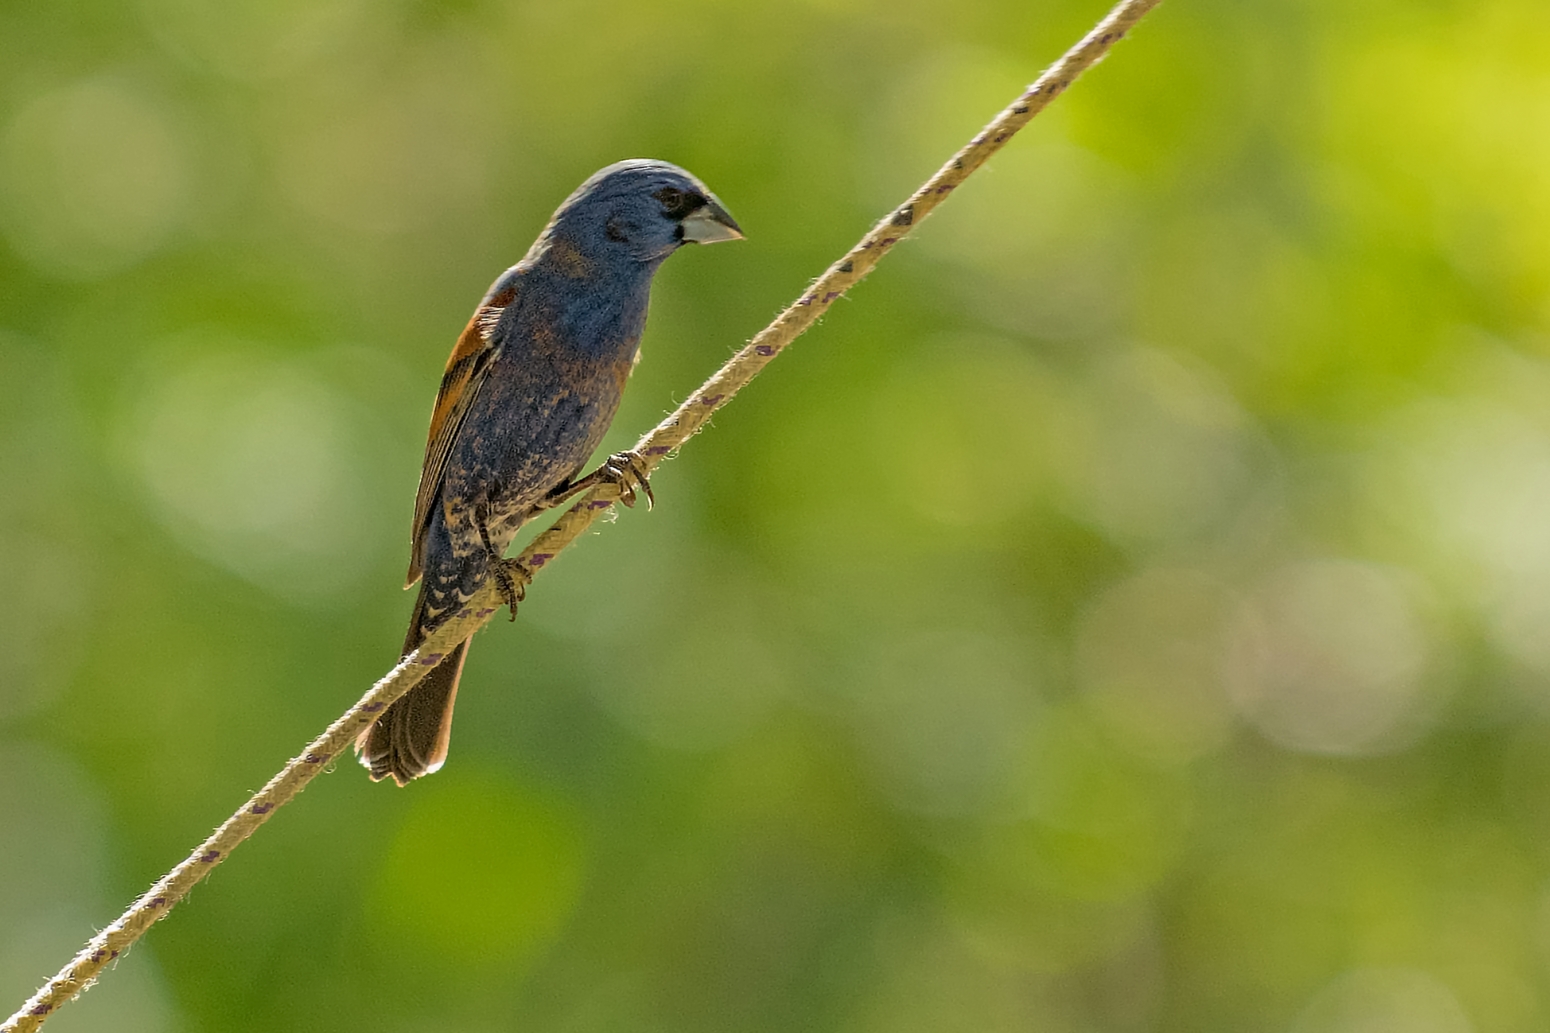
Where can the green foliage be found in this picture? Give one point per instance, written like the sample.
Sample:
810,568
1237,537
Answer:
1128,610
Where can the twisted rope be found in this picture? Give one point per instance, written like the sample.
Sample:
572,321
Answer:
668,435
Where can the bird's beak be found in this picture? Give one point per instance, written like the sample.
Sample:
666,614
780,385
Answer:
710,223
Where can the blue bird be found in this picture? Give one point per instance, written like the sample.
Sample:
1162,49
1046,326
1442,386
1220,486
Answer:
532,385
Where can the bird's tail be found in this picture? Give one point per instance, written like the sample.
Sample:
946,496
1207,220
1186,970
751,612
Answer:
410,738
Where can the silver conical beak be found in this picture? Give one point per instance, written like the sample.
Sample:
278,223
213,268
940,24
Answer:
711,223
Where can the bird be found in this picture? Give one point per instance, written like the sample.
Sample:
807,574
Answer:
532,384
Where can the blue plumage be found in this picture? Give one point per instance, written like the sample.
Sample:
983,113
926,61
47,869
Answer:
530,389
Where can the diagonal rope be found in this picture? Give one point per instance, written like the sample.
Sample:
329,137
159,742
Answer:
672,432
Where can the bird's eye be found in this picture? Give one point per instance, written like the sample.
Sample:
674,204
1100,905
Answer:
678,203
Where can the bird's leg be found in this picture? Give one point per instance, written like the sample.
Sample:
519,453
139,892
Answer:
626,470
512,576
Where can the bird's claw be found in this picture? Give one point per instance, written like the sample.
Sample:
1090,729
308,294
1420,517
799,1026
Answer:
512,577
627,471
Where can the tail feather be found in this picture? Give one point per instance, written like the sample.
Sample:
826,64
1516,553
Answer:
411,736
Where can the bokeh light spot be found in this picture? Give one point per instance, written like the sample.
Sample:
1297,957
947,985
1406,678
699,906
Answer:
1468,476
1149,654
93,177
1160,451
1384,1000
1329,656
252,463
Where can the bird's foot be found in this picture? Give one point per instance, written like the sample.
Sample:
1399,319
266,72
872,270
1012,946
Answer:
512,577
625,470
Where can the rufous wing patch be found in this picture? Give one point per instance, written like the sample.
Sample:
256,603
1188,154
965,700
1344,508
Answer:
466,370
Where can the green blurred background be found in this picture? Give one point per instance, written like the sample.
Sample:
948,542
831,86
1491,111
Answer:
1129,610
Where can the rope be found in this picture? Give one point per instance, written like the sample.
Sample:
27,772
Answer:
666,437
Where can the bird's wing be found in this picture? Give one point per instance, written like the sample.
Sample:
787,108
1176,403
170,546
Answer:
466,370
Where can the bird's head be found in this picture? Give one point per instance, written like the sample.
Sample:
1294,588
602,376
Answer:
644,209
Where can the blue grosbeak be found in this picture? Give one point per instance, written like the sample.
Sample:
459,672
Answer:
532,384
